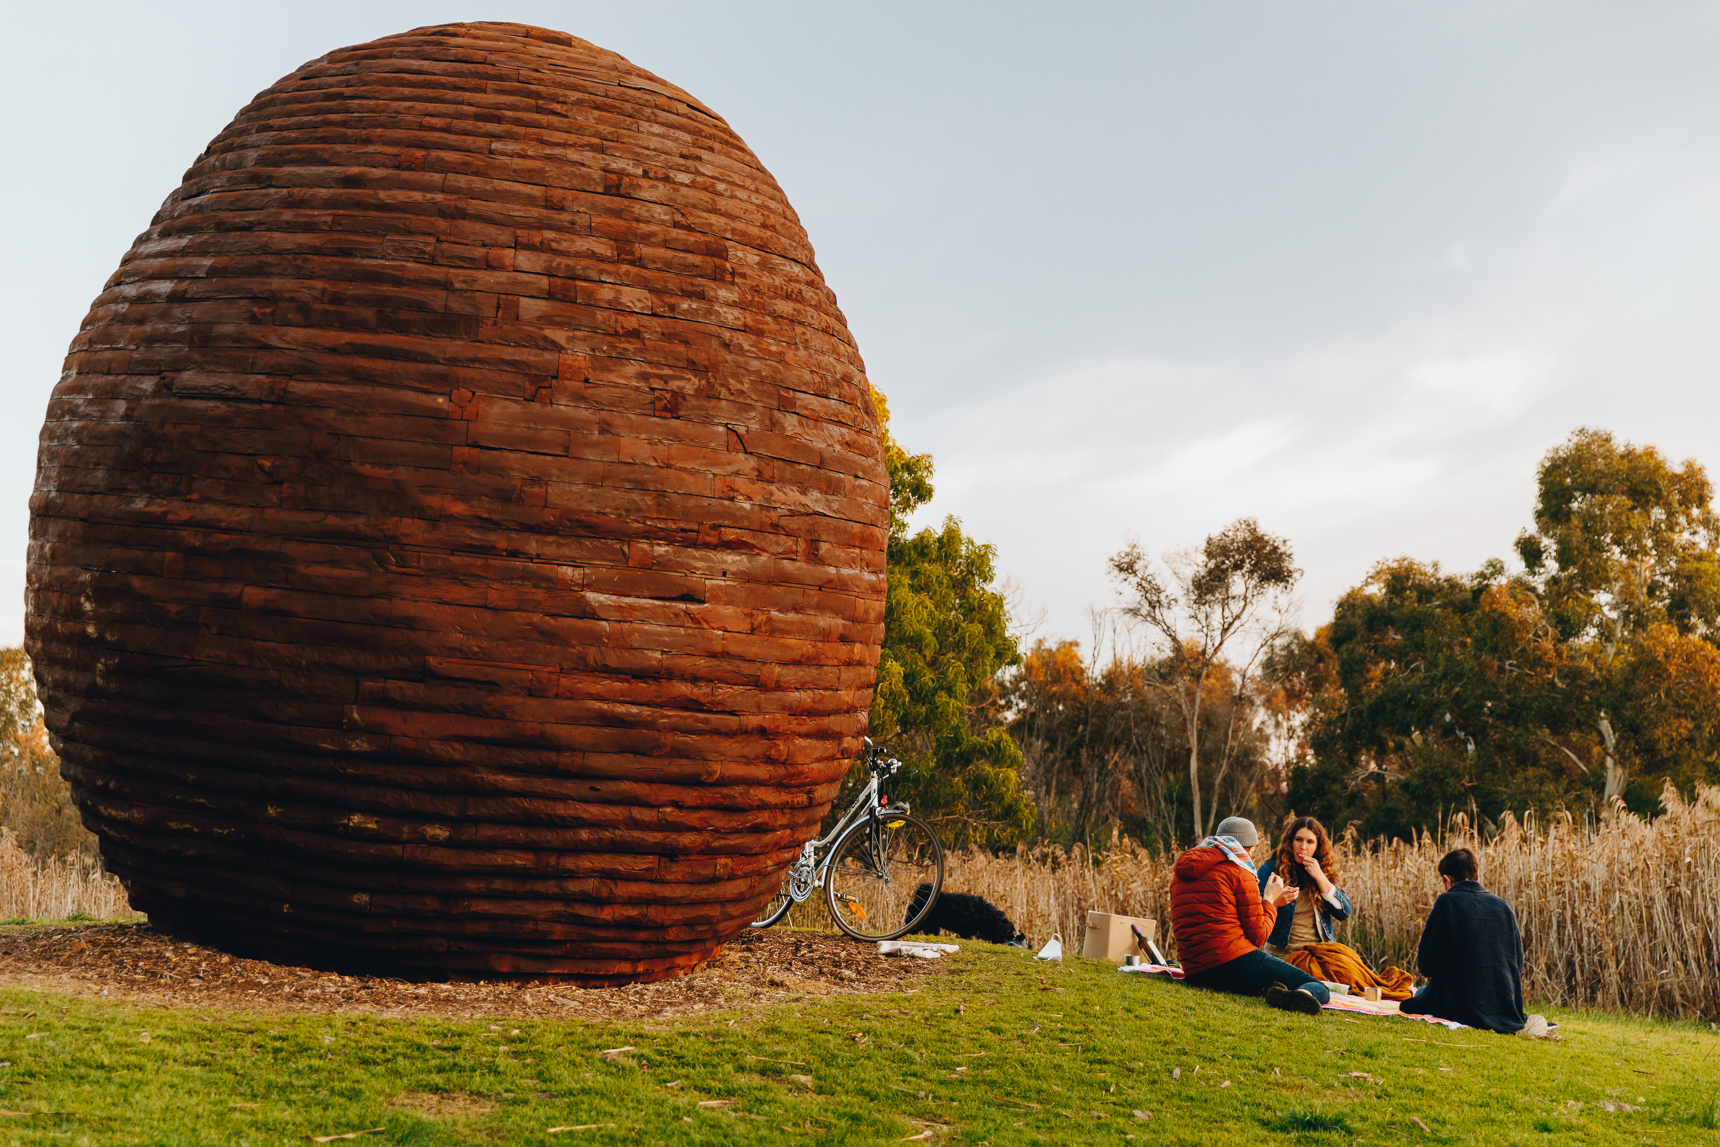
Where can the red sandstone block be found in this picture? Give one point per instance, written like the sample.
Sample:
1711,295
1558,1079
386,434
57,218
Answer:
537,248
552,442
613,297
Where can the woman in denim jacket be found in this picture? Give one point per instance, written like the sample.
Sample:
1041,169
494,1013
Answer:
1304,862
1302,934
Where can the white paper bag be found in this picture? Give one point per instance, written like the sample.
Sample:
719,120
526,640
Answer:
1053,949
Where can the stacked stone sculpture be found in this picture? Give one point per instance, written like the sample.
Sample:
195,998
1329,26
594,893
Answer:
458,538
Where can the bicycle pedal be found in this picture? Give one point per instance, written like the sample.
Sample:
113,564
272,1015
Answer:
853,905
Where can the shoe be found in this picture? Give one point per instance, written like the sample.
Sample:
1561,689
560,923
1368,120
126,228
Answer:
1539,1028
1282,998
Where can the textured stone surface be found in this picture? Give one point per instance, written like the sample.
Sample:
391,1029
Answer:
458,533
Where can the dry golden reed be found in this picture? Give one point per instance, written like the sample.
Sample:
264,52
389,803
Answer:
55,887
1621,912
1048,891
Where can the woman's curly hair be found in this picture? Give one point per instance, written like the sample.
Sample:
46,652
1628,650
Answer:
1284,860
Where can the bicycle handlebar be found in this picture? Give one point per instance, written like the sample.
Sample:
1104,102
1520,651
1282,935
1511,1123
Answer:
879,760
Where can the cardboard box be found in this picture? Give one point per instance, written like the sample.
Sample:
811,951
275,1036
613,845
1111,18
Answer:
1108,936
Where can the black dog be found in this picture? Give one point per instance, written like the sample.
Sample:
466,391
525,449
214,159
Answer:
966,915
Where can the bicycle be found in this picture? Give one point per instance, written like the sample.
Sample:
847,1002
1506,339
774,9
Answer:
872,874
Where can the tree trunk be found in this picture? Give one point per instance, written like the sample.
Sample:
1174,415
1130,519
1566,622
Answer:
1191,713
1087,806
1223,761
1194,788
1616,775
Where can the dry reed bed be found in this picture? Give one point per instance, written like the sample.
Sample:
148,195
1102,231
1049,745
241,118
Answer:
1620,912
1046,890
55,887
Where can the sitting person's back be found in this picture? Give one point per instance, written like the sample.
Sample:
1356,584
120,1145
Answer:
1213,915
1220,920
1471,953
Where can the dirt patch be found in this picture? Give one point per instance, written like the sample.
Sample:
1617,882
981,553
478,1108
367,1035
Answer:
443,1104
135,963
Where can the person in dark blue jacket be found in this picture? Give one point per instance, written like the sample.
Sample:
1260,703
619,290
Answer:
1471,953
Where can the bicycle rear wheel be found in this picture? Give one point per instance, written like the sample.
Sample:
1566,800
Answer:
875,872
778,906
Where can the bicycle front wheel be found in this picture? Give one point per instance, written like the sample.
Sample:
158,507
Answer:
876,874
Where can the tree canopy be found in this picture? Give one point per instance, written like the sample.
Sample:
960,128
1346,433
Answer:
35,801
1106,746
1233,594
946,636
1590,676
1623,562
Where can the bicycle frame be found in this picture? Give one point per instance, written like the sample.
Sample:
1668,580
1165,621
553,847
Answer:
865,805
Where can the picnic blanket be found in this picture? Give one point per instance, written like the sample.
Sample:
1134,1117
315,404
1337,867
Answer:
1341,964
1339,1003
1364,1007
1153,970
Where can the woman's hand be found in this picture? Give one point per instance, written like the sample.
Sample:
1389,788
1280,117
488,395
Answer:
1312,866
1277,893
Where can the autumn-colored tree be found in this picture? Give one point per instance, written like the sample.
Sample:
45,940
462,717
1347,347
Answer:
1670,710
1067,731
946,636
35,801
17,698
1301,675
1106,749
1232,594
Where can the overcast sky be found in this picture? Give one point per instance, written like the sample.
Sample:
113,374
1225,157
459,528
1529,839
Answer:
1125,271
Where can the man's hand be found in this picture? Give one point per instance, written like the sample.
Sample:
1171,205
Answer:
1276,893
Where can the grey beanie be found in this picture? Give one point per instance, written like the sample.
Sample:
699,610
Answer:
1241,828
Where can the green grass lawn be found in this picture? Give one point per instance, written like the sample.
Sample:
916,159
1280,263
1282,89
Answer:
998,1050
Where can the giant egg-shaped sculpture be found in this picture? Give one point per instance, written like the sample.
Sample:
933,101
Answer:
458,536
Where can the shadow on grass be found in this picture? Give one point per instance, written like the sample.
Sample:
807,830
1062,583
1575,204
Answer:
1299,1119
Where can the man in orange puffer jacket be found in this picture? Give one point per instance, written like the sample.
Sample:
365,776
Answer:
1220,921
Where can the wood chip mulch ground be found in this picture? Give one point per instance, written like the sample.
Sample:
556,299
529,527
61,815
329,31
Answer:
136,964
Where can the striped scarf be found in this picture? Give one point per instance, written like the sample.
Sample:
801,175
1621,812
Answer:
1231,847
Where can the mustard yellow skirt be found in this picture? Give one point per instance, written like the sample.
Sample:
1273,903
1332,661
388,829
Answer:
1342,964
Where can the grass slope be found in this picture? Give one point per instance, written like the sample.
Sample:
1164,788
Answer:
999,1050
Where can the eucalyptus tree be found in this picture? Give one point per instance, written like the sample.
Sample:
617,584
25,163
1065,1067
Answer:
946,637
1228,601
1623,556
